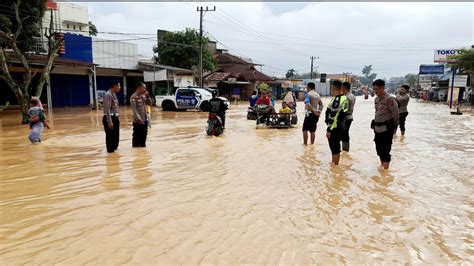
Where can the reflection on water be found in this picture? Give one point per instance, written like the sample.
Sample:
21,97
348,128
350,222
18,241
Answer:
248,196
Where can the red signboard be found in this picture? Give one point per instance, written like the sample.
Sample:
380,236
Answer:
51,5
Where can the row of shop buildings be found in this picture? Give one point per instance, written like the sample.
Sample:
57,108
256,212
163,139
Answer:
436,81
87,65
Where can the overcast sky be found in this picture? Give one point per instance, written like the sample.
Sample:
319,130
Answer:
394,37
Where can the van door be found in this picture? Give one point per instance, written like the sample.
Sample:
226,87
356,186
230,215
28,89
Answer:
186,98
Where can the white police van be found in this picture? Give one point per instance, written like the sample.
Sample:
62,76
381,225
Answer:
187,98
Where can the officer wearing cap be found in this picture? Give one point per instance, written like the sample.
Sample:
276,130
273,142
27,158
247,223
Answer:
111,120
346,89
138,101
385,122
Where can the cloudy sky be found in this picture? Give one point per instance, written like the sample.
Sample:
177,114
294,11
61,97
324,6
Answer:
394,37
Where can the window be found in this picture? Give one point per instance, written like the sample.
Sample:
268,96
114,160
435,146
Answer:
183,93
67,25
80,28
74,27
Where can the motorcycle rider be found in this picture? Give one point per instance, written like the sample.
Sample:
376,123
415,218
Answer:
253,99
218,106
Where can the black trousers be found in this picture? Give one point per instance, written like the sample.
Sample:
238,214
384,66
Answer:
335,140
139,134
345,131
403,118
383,145
111,135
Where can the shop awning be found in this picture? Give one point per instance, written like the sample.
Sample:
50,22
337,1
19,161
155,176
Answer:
237,82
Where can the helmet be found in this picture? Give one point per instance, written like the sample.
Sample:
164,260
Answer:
215,93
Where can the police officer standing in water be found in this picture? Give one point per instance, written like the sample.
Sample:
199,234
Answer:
313,108
335,116
139,100
385,122
403,98
346,89
111,120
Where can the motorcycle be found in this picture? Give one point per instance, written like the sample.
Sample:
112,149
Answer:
214,125
251,114
272,119
294,116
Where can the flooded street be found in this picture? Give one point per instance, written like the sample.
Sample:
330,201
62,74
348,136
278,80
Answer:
249,196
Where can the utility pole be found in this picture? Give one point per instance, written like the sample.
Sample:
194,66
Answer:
201,10
312,58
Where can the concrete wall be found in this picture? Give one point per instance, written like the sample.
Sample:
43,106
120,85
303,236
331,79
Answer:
114,54
68,17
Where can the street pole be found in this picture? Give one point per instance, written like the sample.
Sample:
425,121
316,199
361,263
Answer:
95,89
201,48
312,58
452,88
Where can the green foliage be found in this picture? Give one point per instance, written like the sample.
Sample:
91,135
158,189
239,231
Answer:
366,70
263,86
290,73
466,60
31,12
305,75
181,49
92,29
368,77
411,80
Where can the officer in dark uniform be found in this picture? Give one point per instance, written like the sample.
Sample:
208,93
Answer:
385,122
111,120
335,117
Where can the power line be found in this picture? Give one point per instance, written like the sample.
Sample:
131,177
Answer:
321,41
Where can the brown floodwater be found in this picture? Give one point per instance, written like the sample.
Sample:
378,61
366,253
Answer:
253,196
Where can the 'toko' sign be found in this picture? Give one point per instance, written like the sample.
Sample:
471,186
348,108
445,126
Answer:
446,55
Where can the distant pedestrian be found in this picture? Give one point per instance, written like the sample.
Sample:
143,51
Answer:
385,122
403,97
313,108
289,98
111,120
346,89
148,113
37,120
253,99
335,117
272,100
139,100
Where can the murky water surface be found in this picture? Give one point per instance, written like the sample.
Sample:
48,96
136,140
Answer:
249,196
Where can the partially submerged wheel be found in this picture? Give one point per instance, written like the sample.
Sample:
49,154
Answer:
167,106
206,107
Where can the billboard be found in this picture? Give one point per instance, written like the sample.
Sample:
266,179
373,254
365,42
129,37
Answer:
431,69
446,55
459,81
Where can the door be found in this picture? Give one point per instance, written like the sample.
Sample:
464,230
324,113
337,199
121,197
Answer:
186,98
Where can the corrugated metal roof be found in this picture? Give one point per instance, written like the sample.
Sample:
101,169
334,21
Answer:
159,66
